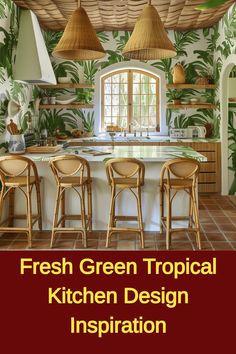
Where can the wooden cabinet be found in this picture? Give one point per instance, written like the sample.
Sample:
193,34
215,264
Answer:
210,171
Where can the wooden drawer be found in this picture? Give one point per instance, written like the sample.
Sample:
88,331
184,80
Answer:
207,177
208,188
208,167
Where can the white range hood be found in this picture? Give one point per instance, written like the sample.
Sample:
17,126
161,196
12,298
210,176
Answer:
32,64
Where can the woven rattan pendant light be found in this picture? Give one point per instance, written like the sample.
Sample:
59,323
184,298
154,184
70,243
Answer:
79,40
149,40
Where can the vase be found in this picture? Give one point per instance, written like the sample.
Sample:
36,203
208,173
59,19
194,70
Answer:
16,144
178,74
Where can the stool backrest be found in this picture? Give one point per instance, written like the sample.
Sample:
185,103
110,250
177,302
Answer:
15,166
125,168
68,166
182,168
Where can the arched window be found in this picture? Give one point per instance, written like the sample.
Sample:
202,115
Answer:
130,100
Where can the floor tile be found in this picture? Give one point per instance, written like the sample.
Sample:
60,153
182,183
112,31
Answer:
215,236
221,246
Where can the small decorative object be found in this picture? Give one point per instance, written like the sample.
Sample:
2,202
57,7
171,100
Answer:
200,80
194,100
66,99
16,141
64,79
16,144
45,100
78,133
209,130
52,100
178,74
184,102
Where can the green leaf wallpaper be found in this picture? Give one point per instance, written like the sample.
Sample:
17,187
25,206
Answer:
225,45
9,89
201,53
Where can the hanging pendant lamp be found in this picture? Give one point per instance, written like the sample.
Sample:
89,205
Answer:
79,40
149,40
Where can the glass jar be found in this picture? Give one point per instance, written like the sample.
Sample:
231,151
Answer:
16,144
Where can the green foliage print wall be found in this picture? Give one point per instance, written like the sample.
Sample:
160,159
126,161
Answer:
9,89
194,51
225,45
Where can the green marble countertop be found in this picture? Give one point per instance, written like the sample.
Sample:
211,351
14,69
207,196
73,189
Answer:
145,153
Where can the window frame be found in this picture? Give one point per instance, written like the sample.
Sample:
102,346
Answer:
130,72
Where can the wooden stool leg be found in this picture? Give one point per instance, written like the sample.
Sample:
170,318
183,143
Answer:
196,219
29,216
55,219
89,201
1,202
168,219
190,214
110,222
62,204
140,217
39,208
83,216
161,208
11,208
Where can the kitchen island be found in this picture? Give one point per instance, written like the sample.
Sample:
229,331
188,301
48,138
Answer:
153,158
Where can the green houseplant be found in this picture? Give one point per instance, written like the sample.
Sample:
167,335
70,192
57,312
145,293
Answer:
175,96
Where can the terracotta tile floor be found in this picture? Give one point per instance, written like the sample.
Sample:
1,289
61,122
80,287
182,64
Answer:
218,232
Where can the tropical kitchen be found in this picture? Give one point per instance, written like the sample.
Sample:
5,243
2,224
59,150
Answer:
118,125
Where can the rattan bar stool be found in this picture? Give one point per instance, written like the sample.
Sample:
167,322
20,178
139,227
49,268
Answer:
179,174
72,172
19,172
125,173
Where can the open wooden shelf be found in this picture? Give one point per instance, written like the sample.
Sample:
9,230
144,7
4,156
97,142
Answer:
68,85
198,105
193,86
67,106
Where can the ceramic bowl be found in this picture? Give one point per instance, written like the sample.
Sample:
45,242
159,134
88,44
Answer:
64,79
194,100
65,99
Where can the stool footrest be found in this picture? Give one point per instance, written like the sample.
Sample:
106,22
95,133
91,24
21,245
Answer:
125,218
176,218
11,229
124,229
68,229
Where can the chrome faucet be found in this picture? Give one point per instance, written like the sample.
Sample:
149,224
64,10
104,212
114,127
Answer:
134,132
124,133
147,132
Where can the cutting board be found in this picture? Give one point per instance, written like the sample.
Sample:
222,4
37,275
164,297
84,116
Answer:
43,149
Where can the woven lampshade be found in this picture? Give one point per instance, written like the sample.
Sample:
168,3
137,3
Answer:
149,39
79,40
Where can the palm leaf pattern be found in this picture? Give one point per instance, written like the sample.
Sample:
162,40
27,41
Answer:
103,37
182,40
3,114
51,39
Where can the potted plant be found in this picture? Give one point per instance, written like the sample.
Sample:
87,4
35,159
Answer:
175,96
88,122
